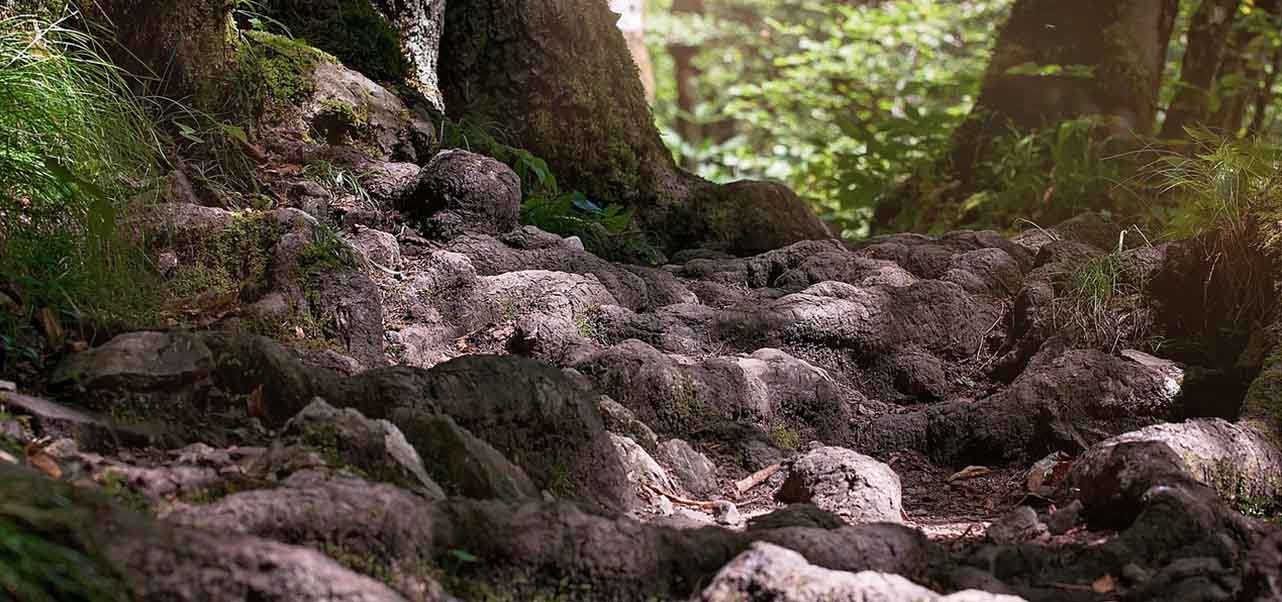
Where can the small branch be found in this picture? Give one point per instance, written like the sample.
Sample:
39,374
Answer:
757,478
678,499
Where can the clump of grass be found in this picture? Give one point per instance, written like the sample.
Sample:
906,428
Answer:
1100,305
339,181
1227,193
77,142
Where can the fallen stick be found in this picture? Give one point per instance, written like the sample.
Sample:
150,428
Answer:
757,478
678,499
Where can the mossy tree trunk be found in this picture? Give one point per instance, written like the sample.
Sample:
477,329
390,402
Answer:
1054,61
556,77
182,46
1207,38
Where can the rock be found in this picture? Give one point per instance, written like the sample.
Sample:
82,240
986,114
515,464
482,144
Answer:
622,421
463,464
139,362
461,192
348,306
377,246
726,513
752,217
51,419
348,108
346,439
797,515
1064,519
531,412
853,486
696,473
769,573
1046,474
388,183
1017,526
641,468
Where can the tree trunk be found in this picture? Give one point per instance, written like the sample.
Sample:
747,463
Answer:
1109,54
1243,62
181,45
419,23
1208,35
556,77
685,73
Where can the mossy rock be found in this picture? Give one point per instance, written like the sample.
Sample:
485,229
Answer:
349,29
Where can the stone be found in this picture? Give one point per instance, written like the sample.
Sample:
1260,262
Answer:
138,362
461,463
769,573
1017,526
377,246
851,485
460,192
348,108
345,438
696,473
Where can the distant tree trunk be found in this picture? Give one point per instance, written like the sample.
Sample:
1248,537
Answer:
632,24
556,76
1208,35
1242,71
1265,98
1111,55
686,74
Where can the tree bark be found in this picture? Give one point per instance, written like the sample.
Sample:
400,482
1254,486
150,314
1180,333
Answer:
556,77
419,23
1244,59
1207,38
1111,55
182,46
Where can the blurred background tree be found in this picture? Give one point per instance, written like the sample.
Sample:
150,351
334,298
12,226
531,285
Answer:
846,100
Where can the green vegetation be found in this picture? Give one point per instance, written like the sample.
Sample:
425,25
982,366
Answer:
784,437
77,145
349,29
840,101
48,542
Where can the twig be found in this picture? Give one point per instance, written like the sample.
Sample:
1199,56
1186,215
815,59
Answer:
678,499
757,478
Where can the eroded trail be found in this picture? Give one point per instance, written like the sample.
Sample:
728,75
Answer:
447,403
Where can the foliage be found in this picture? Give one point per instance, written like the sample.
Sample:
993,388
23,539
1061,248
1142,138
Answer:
77,142
1100,305
1225,193
339,181
606,231
837,100
1046,176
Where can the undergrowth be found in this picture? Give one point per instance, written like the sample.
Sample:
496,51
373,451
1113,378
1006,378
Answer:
77,144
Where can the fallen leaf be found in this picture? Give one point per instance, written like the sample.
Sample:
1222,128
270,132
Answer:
7,457
970,472
1104,585
51,326
37,457
254,405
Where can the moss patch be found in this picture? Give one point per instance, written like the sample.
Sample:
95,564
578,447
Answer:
351,30
49,550
234,260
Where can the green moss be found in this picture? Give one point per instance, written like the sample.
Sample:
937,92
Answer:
114,485
236,259
270,73
351,30
784,438
50,542
1263,402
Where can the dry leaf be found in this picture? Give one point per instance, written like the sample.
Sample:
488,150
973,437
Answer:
970,472
254,404
7,457
37,457
1104,585
51,326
